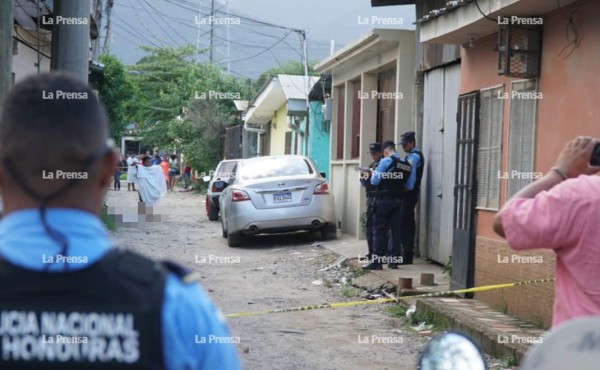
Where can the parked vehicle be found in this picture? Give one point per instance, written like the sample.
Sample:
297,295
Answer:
276,194
224,172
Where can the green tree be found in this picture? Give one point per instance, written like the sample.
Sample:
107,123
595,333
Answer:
115,91
180,104
292,67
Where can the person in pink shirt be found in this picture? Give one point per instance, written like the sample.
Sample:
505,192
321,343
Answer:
561,211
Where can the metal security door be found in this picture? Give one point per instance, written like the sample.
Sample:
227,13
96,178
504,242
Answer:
465,192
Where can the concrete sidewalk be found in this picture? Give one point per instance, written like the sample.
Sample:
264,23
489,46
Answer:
497,334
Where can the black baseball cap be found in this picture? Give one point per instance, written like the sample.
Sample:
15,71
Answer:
374,148
407,137
388,144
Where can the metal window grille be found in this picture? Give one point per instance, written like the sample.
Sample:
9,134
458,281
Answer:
521,142
519,50
490,148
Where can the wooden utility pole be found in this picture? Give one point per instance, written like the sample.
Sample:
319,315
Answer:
71,37
6,28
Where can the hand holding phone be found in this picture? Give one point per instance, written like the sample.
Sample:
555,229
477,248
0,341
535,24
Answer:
595,160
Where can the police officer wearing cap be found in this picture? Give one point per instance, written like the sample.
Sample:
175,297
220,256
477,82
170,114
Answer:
371,190
411,195
389,177
68,299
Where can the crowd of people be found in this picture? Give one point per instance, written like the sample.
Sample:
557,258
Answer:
169,165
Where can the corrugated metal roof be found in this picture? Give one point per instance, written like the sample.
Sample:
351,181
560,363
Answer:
241,105
295,86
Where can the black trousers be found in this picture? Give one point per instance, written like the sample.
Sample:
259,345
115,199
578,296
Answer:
370,233
386,217
407,220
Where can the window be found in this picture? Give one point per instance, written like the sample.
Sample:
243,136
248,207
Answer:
521,136
273,167
386,108
489,151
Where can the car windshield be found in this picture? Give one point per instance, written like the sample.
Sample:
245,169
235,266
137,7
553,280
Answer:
274,167
225,170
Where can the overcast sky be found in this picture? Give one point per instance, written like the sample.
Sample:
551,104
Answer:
252,47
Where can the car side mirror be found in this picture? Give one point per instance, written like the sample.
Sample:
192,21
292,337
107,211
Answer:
206,178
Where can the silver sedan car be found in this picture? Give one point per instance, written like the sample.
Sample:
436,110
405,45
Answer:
276,194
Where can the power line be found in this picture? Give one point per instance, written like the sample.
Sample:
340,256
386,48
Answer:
164,16
264,51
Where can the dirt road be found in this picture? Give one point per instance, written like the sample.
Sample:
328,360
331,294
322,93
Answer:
275,272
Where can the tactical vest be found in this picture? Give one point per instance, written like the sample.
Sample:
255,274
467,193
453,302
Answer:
420,168
371,189
106,316
394,177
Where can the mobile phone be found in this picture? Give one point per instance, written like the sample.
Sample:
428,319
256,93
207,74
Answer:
595,160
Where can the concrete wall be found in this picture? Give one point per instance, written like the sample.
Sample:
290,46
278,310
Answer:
568,109
364,68
24,63
318,138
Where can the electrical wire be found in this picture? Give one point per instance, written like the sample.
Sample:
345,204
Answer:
572,33
485,15
159,23
264,51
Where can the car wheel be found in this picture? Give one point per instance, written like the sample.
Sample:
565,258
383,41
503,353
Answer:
329,232
213,212
223,229
235,240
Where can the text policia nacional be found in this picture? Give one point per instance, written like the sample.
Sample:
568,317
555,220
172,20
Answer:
74,336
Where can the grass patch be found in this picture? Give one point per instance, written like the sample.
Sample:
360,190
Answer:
108,220
509,360
397,311
351,292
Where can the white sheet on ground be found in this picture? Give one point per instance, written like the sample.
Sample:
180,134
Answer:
152,184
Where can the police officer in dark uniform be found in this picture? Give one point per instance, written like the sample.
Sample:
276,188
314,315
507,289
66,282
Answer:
389,177
68,299
411,195
371,190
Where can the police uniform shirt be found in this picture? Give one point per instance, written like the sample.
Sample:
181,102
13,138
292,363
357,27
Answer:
413,158
363,181
187,312
383,165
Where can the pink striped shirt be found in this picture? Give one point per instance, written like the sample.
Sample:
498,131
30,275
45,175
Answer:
566,219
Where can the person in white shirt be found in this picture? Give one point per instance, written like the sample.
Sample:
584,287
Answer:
131,171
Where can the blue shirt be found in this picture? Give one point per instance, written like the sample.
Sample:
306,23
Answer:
188,315
413,158
383,166
155,161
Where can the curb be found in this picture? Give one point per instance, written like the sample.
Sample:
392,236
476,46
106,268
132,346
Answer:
486,337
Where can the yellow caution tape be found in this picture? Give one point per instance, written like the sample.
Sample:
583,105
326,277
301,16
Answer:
389,300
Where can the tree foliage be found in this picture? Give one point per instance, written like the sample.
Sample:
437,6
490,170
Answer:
115,90
292,67
180,106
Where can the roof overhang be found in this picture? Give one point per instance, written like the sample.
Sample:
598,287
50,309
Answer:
269,100
466,23
375,42
376,3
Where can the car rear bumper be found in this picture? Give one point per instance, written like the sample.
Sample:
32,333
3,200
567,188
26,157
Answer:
244,217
